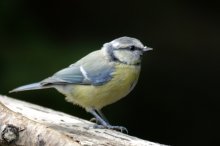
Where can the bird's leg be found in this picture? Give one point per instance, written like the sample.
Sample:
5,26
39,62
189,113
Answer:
98,118
102,116
104,124
99,112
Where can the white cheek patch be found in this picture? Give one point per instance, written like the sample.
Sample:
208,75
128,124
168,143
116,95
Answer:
122,56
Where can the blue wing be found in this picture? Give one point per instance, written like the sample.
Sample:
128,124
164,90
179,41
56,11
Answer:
93,69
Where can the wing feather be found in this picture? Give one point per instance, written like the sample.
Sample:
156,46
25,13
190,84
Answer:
94,69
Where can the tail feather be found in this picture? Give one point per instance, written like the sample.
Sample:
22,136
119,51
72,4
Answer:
34,86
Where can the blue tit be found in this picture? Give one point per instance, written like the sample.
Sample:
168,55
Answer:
100,78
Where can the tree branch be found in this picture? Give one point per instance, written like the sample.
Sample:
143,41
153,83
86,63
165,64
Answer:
26,124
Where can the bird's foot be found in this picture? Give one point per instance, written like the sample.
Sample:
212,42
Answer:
117,128
94,120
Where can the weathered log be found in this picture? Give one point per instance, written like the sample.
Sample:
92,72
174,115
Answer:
26,124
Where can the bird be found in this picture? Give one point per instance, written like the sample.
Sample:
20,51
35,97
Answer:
100,78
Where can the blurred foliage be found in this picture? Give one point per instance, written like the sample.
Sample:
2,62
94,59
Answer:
176,99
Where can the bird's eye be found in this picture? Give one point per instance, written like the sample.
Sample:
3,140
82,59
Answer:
132,48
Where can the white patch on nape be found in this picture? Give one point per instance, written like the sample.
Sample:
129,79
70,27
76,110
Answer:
84,73
115,44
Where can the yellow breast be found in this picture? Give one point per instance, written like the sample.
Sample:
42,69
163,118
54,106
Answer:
124,79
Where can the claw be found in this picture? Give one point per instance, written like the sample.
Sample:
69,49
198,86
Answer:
93,120
117,128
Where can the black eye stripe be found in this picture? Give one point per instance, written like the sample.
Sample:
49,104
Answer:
132,48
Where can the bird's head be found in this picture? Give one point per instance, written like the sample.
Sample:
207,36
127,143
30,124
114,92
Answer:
125,50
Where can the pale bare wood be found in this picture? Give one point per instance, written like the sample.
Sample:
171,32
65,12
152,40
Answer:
40,126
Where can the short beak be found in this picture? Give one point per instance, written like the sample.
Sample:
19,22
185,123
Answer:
147,49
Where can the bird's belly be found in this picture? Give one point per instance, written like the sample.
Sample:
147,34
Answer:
89,96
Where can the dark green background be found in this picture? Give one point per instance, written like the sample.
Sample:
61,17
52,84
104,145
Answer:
176,100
